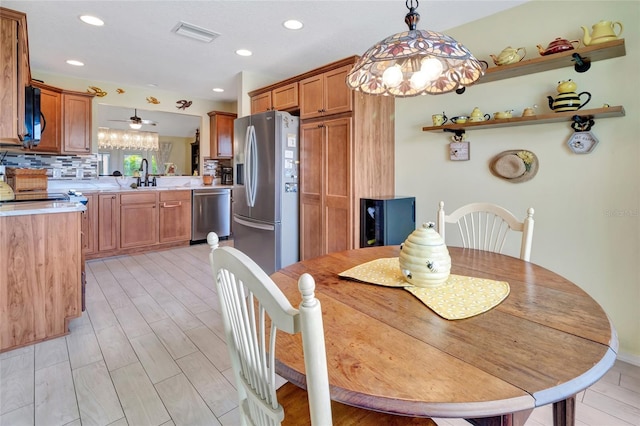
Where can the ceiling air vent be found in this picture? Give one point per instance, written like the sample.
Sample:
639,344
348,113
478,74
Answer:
195,32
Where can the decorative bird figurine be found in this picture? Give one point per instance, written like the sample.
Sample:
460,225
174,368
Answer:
183,104
96,91
119,91
152,100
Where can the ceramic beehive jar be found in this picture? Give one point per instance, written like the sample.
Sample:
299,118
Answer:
424,258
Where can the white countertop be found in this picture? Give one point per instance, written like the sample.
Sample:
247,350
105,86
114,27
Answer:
39,207
122,183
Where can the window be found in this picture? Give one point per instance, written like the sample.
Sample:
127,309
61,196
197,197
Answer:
103,163
126,162
132,162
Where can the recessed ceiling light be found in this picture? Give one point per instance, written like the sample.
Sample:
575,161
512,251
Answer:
218,90
92,20
244,52
292,24
75,63
152,85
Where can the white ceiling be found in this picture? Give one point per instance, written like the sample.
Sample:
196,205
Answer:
136,46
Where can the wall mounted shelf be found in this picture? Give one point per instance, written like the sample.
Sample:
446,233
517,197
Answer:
553,117
597,52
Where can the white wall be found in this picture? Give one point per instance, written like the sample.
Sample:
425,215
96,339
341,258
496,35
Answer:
587,206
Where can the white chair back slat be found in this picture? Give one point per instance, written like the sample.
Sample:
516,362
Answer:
486,226
249,302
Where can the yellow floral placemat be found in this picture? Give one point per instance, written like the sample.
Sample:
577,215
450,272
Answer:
460,297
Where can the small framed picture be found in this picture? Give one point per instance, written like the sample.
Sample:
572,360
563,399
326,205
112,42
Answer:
459,151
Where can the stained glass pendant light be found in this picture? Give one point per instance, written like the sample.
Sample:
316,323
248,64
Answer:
415,62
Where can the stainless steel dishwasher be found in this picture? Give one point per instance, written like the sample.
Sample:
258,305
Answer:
210,211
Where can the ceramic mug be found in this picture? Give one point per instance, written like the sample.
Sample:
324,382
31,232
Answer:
439,119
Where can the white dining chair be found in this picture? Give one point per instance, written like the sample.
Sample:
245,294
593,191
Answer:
253,309
485,226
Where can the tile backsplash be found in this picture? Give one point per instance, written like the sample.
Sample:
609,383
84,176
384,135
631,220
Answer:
57,166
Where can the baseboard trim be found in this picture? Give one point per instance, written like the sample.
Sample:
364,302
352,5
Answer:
629,358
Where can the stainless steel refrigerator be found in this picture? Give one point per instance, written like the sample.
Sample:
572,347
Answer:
265,191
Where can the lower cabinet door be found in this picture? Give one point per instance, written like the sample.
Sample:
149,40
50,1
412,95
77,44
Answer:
138,225
175,217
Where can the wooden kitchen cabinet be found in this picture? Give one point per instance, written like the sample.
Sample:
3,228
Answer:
108,222
76,122
221,134
325,94
138,219
90,225
40,276
325,187
51,109
261,103
15,75
344,156
283,98
175,216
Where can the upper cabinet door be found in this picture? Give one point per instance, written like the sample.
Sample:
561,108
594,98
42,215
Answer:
261,103
285,98
221,134
311,97
337,95
76,110
325,94
15,75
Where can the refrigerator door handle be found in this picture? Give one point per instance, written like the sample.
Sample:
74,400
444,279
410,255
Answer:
256,225
251,167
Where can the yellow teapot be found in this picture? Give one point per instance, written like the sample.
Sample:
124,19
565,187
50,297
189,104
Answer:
503,114
509,55
476,115
567,99
601,32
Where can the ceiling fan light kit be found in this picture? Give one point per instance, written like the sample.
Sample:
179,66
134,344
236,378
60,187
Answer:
136,122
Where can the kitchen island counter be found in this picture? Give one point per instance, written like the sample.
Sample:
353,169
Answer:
39,207
41,270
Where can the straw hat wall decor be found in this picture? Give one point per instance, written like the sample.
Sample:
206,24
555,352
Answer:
515,166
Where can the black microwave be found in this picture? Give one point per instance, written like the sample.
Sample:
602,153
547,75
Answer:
33,119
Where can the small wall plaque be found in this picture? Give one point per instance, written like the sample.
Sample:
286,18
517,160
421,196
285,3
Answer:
459,151
582,142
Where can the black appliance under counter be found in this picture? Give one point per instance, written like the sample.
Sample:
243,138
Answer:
387,220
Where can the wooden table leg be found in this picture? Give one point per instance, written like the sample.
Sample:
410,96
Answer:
564,412
513,419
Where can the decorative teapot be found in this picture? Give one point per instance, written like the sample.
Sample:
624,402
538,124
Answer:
601,32
509,55
476,115
424,258
568,99
558,45
503,114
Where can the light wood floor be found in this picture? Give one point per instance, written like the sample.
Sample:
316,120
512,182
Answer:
149,350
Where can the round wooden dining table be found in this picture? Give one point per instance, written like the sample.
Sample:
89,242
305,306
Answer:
387,351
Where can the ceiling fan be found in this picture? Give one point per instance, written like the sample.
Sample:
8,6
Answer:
136,122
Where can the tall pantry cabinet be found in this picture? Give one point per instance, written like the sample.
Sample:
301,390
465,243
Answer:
346,153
